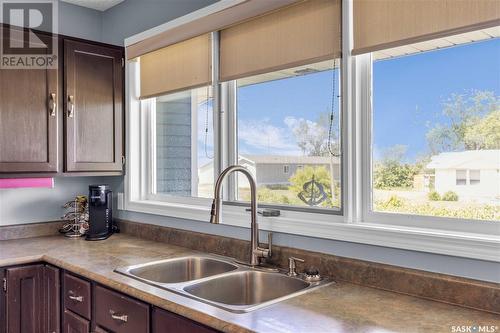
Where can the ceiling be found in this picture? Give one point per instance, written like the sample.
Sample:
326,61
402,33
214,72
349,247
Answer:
101,5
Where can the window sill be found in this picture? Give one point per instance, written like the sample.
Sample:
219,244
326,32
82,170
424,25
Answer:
460,244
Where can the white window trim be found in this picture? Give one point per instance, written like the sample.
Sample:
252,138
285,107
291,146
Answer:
357,225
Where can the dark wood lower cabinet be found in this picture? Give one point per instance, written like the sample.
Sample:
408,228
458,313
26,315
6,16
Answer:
32,304
119,313
74,324
52,288
24,299
167,322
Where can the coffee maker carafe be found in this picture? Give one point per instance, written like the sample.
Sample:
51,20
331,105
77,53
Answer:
100,212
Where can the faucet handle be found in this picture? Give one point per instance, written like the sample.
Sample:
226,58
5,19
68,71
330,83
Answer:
292,265
269,244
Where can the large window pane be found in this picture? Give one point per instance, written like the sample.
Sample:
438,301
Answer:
289,137
436,132
184,144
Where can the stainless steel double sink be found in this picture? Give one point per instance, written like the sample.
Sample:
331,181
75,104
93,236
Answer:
221,281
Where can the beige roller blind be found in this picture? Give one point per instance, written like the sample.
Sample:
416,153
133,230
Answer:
299,34
189,28
177,67
380,24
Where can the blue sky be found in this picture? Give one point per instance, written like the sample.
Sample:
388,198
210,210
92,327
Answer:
408,93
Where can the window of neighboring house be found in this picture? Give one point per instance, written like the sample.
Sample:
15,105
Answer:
183,140
461,177
432,113
291,116
474,177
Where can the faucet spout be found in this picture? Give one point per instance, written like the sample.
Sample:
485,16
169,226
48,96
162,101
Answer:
257,252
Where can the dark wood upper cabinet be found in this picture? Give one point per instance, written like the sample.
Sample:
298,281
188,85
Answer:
64,120
28,120
93,103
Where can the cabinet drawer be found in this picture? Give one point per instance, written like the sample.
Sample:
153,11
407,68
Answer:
164,321
74,324
119,313
77,295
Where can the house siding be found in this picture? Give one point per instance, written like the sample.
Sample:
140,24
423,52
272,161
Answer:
173,147
268,174
488,188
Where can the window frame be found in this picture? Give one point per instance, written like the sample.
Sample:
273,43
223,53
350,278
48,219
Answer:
364,65
355,224
231,153
458,181
475,181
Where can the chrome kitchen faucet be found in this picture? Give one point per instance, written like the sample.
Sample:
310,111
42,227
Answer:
257,252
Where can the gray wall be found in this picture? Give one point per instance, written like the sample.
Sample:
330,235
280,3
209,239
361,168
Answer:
133,16
78,21
30,205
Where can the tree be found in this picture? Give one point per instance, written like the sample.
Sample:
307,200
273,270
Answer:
312,136
484,133
391,172
462,111
320,175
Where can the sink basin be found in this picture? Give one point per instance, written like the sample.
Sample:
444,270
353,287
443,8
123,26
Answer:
180,269
246,288
221,282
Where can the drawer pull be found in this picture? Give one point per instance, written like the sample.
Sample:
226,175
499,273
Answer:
76,298
120,317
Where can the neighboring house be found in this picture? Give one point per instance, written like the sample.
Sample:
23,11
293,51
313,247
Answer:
274,170
473,174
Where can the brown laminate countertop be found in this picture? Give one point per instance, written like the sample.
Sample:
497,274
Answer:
340,307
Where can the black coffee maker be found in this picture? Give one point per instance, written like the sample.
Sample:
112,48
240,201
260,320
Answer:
100,212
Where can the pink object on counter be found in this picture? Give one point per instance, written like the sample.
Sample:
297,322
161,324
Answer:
27,182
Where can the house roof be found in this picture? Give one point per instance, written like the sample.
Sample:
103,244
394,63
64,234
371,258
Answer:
277,159
470,159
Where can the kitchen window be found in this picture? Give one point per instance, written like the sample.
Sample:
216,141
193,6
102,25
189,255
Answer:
182,135
433,114
288,135
363,148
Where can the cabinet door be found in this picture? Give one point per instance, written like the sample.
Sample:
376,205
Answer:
93,107
166,322
74,324
25,299
28,120
52,288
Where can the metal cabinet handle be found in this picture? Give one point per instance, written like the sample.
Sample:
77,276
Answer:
71,106
52,104
76,298
120,317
